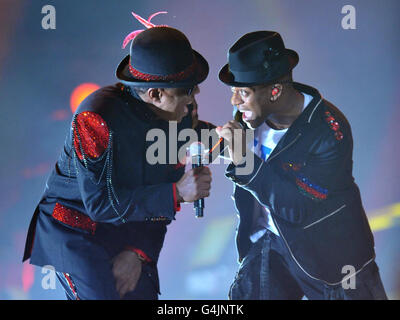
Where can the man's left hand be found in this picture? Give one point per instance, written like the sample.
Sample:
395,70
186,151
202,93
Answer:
127,268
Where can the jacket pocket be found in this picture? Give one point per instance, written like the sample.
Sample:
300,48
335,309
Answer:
338,210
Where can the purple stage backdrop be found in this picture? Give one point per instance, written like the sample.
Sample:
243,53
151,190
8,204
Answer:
350,59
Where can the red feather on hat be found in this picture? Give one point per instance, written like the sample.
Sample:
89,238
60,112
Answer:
147,23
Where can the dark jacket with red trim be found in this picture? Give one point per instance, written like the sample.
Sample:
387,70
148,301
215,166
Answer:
308,186
103,195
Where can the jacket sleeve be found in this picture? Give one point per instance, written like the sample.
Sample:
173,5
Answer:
103,199
295,189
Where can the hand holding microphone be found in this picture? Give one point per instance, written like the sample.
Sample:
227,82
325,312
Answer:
196,183
234,134
196,152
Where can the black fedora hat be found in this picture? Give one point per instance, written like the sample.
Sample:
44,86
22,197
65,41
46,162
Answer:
257,58
162,57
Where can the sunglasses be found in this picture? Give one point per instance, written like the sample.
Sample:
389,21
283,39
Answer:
186,91
189,91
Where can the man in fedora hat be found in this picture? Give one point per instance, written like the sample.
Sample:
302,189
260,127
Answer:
303,230
103,216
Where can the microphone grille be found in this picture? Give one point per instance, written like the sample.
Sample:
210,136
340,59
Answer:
196,148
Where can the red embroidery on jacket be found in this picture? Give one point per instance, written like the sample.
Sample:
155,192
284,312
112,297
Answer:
73,218
91,135
334,125
316,195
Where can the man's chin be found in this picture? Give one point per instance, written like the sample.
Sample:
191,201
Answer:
253,124
179,120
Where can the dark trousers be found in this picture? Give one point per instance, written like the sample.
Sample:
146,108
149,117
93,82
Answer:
268,272
97,285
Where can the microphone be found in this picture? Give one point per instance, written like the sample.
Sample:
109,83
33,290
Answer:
196,151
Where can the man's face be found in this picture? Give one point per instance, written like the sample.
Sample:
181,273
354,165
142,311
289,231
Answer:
254,103
174,101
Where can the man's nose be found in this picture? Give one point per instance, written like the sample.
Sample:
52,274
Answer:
196,90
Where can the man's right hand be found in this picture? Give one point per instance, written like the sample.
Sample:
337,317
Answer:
126,269
195,184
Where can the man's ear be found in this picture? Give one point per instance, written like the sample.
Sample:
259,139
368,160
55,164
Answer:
276,92
155,94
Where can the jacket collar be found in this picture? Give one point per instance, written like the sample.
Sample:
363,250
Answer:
305,118
138,106
302,122
307,114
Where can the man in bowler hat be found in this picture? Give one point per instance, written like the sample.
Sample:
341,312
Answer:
303,230
104,213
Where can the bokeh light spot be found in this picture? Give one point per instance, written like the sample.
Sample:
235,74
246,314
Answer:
80,93
28,276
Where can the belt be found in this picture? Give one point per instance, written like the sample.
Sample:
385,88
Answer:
74,218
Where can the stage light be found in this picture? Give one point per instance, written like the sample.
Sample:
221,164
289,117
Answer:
80,93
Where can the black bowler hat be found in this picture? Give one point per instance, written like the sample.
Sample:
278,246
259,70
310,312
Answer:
257,58
162,57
